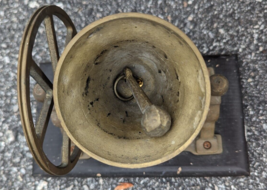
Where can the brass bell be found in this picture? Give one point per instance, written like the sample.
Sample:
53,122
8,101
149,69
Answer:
130,90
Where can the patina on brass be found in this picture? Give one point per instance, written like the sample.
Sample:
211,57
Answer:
208,142
28,68
174,77
155,121
128,96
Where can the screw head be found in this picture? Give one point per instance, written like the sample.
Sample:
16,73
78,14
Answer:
207,145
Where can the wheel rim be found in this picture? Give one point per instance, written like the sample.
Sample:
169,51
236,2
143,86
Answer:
26,68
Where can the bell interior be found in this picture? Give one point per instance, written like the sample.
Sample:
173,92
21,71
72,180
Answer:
109,129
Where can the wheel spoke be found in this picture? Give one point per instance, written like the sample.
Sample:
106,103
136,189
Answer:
52,40
44,116
65,149
40,77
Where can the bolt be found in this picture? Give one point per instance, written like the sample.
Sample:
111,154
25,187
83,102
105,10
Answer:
38,93
207,145
219,85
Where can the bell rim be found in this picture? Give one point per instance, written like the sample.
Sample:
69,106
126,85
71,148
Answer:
165,24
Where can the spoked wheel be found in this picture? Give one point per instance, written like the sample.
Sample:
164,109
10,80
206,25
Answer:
26,68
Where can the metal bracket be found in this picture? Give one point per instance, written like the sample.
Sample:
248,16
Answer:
208,142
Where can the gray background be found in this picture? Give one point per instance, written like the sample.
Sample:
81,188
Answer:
216,27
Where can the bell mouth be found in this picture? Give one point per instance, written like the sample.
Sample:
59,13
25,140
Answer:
174,77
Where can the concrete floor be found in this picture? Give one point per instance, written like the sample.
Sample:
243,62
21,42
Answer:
216,27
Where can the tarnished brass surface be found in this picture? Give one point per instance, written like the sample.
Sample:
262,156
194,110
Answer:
118,94
174,77
28,68
155,121
208,142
